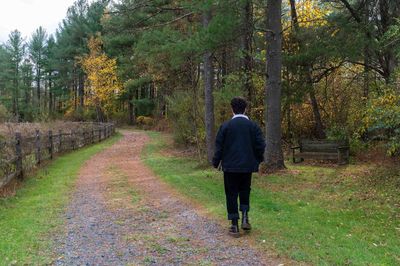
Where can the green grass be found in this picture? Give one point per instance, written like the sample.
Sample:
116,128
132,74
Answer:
120,188
28,219
321,215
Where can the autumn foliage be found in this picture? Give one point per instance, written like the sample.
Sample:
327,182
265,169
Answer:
102,83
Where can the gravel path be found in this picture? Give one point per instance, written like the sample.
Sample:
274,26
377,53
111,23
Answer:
122,214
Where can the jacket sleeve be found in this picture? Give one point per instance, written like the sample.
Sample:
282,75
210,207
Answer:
259,146
219,144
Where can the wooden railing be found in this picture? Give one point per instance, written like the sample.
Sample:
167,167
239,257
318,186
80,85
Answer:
23,154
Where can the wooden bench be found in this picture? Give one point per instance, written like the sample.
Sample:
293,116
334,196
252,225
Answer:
323,150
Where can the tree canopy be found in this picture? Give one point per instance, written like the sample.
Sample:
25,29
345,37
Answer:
180,61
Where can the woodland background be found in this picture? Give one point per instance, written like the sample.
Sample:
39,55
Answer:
175,64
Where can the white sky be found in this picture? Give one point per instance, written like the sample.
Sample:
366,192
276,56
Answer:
28,15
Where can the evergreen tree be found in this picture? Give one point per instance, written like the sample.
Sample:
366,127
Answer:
16,49
37,51
274,155
208,90
26,86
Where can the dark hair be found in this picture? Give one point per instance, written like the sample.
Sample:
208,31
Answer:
238,105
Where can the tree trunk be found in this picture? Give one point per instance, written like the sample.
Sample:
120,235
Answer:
15,92
367,54
246,43
306,72
208,93
100,114
224,65
45,94
75,84
81,90
274,155
293,14
50,94
318,126
388,58
27,93
38,88
131,110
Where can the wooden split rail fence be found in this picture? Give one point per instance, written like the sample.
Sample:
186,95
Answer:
23,154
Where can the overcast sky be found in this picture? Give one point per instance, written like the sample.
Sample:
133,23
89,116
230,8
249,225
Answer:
28,15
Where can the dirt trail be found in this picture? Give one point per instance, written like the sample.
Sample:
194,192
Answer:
121,213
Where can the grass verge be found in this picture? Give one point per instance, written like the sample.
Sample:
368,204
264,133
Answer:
320,215
28,219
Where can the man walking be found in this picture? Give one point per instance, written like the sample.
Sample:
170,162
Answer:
239,147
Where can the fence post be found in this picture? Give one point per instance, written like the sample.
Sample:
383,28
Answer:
73,139
18,154
104,132
81,137
37,147
84,137
92,134
60,140
99,134
78,136
51,147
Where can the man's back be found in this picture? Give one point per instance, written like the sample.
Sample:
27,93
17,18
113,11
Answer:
239,145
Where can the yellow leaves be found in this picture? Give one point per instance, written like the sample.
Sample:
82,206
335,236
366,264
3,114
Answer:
310,14
383,111
101,82
94,45
145,121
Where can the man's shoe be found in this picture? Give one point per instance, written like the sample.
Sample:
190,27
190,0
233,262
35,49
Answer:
245,222
234,231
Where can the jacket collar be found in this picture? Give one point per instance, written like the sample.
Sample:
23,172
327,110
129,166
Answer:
240,115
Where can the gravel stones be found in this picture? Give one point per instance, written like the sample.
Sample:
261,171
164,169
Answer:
122,214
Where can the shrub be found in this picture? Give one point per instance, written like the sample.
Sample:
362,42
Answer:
186,113
145,121
4,114
382,116
89,114
145,106
74,115
121,117
337,132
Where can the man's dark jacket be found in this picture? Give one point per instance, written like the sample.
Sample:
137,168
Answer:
240,146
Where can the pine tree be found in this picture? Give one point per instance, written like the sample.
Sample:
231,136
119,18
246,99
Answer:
274,155
208,91
37,51
16,49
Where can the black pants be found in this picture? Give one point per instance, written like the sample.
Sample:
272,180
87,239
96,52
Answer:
237,185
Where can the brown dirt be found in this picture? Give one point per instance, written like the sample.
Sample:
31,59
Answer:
121,213
10,189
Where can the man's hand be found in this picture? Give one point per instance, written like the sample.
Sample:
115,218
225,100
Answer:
216,163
